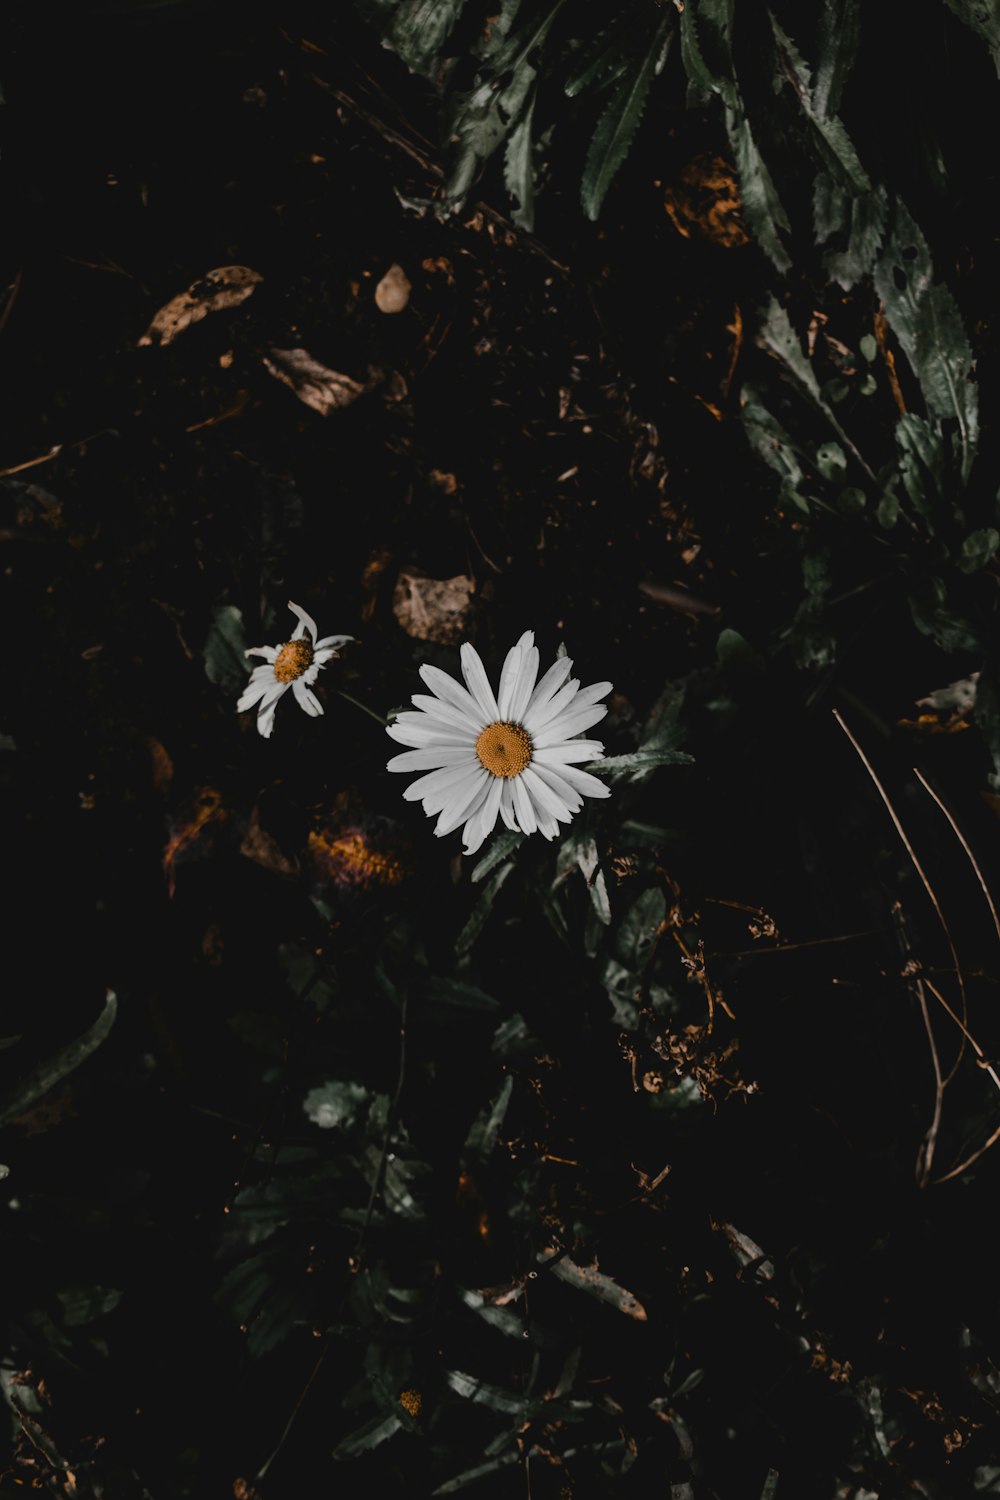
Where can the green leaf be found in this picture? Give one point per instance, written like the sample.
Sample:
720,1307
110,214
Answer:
869,348
416,30
486,115
367,1437
640,929
636,765
469,1476
589,863
868,215
54,1069
761,205
619,122
839,34
503,844
852,501
926,321
223,652
830,139
485,1395
482,1137
978,548
921,463
519,169
830,460
464,996
83,1304
481,910
982,16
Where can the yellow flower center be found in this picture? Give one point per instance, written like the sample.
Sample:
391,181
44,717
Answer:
504,749
294,658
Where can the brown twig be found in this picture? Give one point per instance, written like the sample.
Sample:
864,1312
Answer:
964,843
923,879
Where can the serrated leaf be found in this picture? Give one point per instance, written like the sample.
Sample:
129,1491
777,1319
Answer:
868,215
484,117
761,205
503,844
481,910
830,138
367,1437
921,462
54,1069
419,29
597,1284
926,321
636,765
618,124
839,34
223,653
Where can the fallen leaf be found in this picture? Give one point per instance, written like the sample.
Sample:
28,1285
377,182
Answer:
317,387
356,857
393,291
162,767
264,849
208,809
226,286
433,609
706,199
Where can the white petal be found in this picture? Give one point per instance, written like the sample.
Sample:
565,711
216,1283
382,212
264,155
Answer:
306,699
265,717
548,828
477,829
447,713
455,796
525,682
508,679
592,693
550,683
507,807
427,760
590,786
569,724
332,642
320,658
559,785
269,653
523,806
463,807
439,780
544,798
573,750
478,683
424,736
254,692
450,691
306,622
537,718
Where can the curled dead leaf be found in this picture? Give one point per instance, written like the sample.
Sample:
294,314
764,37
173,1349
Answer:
207,809
393,291
264,849
433,609
317,387
226,286
359,857
705,199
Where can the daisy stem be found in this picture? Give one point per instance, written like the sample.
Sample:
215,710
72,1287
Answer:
364,708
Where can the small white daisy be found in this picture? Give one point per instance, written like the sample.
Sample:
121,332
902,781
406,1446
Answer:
511,755
294,665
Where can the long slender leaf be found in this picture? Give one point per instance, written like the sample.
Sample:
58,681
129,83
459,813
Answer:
619,123
59,1066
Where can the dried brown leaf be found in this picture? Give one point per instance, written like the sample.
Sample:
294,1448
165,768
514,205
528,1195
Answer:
265,850
433,609
317,387
226,286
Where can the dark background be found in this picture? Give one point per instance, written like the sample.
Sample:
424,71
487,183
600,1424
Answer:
144,147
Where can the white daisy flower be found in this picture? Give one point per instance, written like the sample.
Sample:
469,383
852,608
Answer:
512,756
294,665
